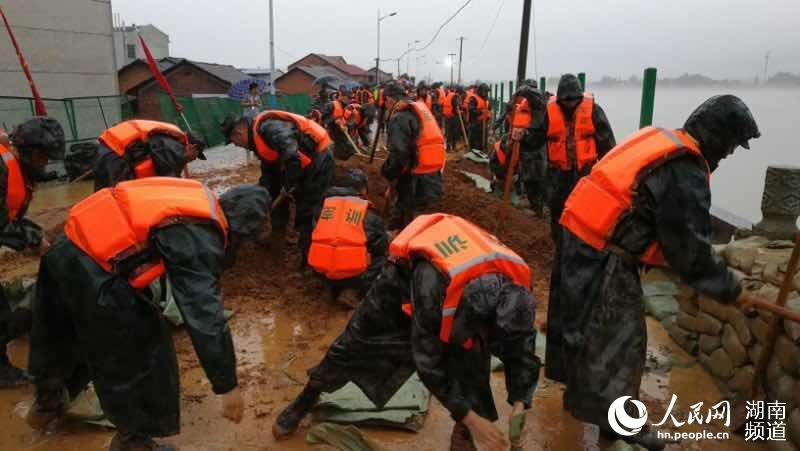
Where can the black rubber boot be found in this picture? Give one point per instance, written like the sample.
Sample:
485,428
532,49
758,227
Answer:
133,442
288,420
11,376
461,440
49,406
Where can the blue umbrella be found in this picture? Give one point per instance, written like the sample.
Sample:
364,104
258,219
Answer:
241,89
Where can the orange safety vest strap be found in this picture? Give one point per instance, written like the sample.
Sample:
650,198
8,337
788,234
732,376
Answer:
600,199
431,151
584,134
501,155
339,242
461,250
120,136
17,195
113,225
304,125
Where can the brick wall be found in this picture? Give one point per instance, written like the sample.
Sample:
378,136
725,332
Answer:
296,82
132,76
185,81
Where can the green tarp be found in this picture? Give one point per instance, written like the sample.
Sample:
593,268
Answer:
406,410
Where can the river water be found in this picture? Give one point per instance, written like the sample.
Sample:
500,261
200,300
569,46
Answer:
737,185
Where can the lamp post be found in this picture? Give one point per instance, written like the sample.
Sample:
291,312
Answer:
378,58
408,57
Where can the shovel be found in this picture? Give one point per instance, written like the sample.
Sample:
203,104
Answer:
780,312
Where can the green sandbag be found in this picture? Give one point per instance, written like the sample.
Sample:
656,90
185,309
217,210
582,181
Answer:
515,428
344,438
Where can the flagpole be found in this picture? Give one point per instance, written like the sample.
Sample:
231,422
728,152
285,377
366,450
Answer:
41,110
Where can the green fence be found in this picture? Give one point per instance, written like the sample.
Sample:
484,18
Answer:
205,114
83,118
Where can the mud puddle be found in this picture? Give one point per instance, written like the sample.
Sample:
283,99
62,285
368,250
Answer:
282,326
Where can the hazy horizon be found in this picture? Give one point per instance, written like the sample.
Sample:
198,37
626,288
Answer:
721,39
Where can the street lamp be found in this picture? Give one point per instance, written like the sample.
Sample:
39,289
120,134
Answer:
408,57
378,58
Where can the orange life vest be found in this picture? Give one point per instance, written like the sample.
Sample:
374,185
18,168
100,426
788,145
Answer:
339,242
441,96
338,110
17,194
447,106
430,142
460,250
122,135
366,97
521,117
600,199
306,126
585,145
483,106
380,98
354,110
428,101
501,154
113,225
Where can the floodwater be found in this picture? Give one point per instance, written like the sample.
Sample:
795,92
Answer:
281,328
737,184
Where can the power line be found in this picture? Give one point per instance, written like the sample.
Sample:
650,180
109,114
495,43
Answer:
441,27
497,16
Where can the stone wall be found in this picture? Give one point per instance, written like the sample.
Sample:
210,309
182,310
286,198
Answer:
728,343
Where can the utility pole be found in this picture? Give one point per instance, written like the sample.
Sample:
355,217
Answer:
460,57
522,62
378,56
766,65
271,56
452,63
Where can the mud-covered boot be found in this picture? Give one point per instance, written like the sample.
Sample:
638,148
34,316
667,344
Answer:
11,376
49,406
461,440
289,419
133,442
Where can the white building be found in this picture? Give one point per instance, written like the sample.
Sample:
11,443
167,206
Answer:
128,48
68,45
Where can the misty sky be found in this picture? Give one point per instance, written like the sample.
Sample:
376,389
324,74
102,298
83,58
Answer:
720,38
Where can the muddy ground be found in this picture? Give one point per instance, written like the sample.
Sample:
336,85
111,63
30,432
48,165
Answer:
282,327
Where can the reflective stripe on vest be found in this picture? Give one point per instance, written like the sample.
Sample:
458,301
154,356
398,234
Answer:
583,135
17,195
113,225
463,252
430,142
122,135
339,243
600,199
306,126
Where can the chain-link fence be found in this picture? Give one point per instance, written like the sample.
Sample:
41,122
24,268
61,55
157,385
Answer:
205,114
83,118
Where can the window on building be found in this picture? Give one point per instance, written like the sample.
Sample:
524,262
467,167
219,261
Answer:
131,51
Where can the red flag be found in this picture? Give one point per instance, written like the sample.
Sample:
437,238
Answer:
159,76
40,108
